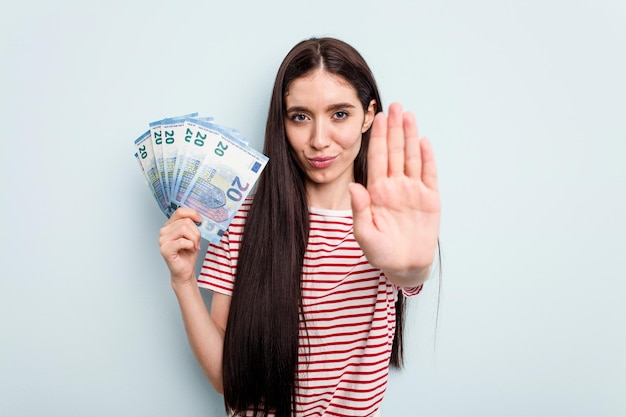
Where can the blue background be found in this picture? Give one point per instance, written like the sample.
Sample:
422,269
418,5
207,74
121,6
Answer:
523,102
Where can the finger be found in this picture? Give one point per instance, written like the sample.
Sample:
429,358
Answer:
429,167
178,245
412,153
377,151
192,232
360,200
395,141
185,212
170,250
361,208
184,228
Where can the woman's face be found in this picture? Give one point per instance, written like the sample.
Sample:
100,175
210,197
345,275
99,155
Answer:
324,123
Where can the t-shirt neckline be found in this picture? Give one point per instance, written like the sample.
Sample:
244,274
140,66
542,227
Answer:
330,212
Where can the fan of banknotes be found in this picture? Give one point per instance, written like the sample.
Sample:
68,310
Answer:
191,161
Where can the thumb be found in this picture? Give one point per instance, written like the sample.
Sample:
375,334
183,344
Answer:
361,207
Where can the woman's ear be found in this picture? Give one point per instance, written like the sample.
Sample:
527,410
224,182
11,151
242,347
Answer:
369,116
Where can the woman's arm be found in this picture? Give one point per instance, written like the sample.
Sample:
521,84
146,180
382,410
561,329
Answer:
205,331
179,241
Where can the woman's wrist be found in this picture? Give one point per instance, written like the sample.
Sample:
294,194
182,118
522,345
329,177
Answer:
183,285
409,278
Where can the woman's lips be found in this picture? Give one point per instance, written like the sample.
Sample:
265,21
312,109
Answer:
322,161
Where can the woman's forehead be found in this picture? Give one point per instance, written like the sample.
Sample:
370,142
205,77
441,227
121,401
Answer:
320,86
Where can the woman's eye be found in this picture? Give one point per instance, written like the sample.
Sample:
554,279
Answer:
298,117
340,115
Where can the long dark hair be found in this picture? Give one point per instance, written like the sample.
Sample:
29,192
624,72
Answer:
261,341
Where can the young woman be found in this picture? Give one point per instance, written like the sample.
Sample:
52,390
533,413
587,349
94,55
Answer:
309,279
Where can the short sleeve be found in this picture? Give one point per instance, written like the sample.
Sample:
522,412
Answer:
220,262
411,291
218,271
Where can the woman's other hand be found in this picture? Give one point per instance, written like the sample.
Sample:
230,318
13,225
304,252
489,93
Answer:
179,240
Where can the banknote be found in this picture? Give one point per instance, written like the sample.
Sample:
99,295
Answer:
224,178
175,153
199,132
195,162
188,159
157,140
147,161
158,144
173,132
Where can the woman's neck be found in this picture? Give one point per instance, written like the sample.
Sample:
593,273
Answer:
328,196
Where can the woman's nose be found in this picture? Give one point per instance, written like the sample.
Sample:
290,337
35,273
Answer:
320,136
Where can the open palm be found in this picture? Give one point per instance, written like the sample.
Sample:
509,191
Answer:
396,218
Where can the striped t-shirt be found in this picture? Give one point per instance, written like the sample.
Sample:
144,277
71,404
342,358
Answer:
349,308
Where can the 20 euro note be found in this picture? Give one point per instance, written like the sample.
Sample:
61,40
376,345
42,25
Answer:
173,133
200,134
223,180
190,155
189,146
147,161
211,169
159,138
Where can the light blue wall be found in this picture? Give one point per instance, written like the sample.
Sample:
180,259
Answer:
524,103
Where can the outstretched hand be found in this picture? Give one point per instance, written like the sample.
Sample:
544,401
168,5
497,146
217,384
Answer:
396,218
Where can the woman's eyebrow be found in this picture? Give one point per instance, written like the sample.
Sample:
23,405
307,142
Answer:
339,106
296,108
334,106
